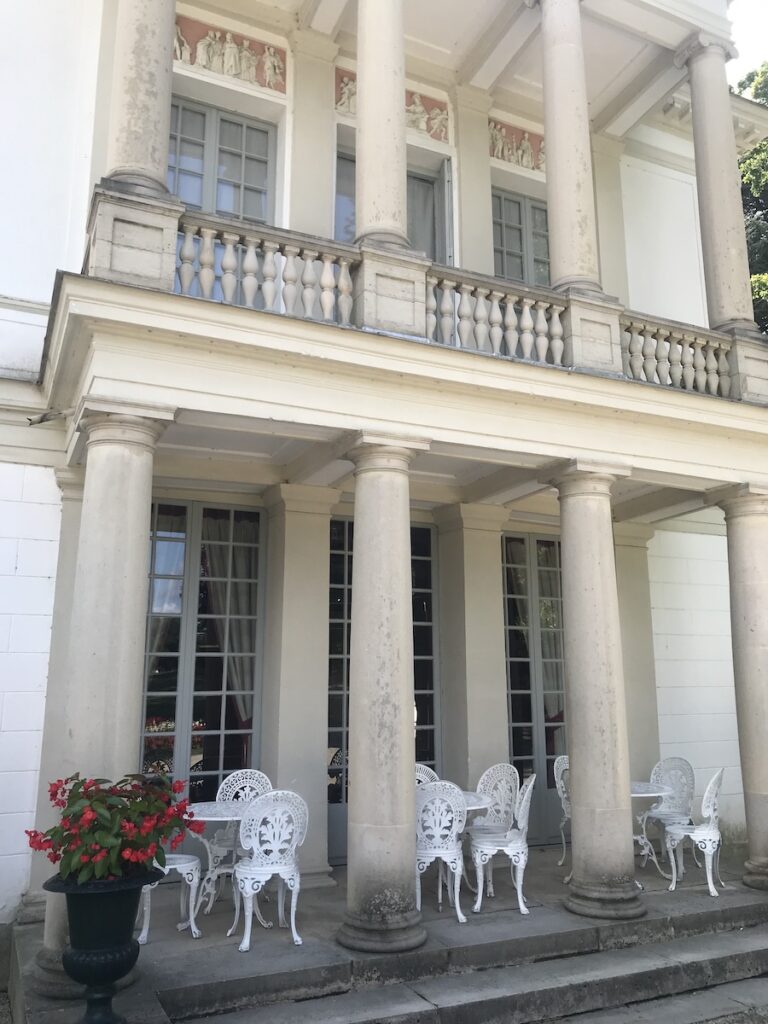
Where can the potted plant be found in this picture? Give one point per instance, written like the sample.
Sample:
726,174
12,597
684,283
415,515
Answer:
108,844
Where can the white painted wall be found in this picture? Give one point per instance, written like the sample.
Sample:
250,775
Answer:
661,227
48,65
29,529
694,670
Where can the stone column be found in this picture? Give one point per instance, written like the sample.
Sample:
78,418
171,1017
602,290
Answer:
570,189
723,241
601,827
140,116
381,860
381,213
109,603
746,520
294,711
472,649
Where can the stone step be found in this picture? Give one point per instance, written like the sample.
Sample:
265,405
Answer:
541,991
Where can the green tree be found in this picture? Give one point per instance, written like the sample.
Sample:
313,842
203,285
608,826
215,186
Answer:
754,176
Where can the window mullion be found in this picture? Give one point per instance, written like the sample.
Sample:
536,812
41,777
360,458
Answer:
187,645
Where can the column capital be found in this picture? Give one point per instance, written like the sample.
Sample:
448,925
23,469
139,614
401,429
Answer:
118,428
477,516
300,498
698,43
71,483
745,499
584,476
384,451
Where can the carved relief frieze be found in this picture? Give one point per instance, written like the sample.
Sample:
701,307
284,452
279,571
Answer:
228,53
422,113
515,145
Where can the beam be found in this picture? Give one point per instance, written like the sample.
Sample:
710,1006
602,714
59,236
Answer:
499,47
652,85
322,16
509,483
657,505
318,458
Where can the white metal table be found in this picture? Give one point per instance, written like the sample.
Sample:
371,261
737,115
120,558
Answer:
476,801
648,791
222,811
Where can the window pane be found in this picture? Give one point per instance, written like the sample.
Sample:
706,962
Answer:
238,711
517,611
162,675
163,634
215,560
245,563
421,541
242,636
209,673
256,173
497,237
216,524
227,198
541,273
169,558
174,117
160,714
190,189
519,675
541,246
513,240
230,166
243,598
539,219
423,674
514,267
421,574
551,644
166,596
193,124
256,142
546,554
254,204
513,211
522,741
171,521
422,226
207,711
344,226
422,607
191,157
246,527
550,614
212,597
425,709
521,708
517,581
517,643
210,635
230,134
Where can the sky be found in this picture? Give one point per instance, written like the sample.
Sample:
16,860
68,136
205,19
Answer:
750,33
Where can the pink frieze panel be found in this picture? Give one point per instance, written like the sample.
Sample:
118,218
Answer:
229,53
422,113
515,145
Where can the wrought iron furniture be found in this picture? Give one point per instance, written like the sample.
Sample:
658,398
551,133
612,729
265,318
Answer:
441,813
562,771
677,774
706,836
501,784
273,828
188,866
513,842
245,784
425,774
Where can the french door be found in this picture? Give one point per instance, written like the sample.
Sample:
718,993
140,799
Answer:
533,616
425,712
203,648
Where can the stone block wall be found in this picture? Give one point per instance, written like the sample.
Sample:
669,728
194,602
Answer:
30,511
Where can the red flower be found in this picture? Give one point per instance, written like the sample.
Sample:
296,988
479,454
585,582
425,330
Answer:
198,827
85,859
178,786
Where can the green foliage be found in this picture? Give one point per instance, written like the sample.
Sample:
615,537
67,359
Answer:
754,174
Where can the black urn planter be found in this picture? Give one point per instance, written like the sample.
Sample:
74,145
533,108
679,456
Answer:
102,949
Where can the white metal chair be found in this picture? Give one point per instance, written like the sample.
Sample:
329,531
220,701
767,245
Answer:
705,836
273,829
425,774
513,843
441,813
501,783
562,770
188,866
678,775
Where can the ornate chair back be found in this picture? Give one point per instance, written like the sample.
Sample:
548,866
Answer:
501,783
246,784
677,773
562,769
441,813
709,805
523,807
273,827
425,774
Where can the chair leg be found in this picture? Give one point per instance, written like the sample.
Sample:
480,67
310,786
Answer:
680,864
245,945
673,863
282,923
418,890
562,836
257,912
696,860
456,887
236,901
519,873
193,886
708,859
146,904
490,892
294,900
479,883
182,897
717,865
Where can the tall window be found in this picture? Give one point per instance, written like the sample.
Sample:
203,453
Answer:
520,238
220,162
426,197
201,663
424,716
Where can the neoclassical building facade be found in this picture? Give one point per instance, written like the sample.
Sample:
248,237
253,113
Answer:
384,387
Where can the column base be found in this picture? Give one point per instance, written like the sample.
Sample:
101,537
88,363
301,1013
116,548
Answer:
756,874
618,901
398,934
134,183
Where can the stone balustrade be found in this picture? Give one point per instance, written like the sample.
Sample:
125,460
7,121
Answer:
495,316
265,269
676,355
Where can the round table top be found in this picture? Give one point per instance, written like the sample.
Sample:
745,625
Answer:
476,801
220,810
649,789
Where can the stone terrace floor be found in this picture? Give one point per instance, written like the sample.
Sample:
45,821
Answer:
183,978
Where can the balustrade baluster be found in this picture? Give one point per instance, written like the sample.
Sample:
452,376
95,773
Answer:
511,335
309,281
465,316
649,353
229,265
345,291
662,355
327,287
207,262
290,277
250,270
635,350
624,343
710,365
430,325
556,344
675,360
494,319
526,329
269,270
481,320
447,311
541,330
187,257
687,361
724,371
699,366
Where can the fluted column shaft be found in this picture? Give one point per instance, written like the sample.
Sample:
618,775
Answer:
381,213
746,518
570,189
723,239
381,845
601,826
140,117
